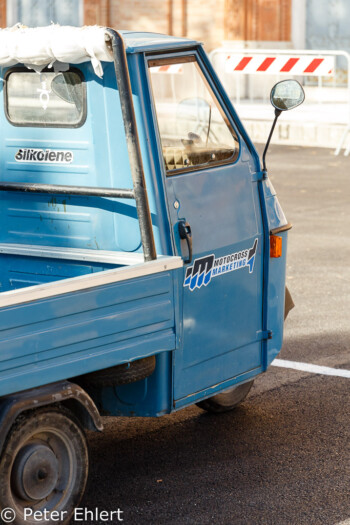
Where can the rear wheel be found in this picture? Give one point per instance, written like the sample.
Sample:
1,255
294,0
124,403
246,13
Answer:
226,400
44,466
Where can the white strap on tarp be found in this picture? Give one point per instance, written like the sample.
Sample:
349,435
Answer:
43,46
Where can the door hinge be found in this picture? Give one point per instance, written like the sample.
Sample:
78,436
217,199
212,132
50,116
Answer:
263,335
258,176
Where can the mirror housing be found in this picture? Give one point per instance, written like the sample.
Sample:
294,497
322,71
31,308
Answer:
286,95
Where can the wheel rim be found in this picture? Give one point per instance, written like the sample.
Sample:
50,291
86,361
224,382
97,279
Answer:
44,471
35,472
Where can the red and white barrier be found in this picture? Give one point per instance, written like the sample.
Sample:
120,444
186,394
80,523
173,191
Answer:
309,65
230,62
168,69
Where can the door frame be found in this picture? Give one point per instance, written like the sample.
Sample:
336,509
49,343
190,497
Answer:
228,110
219,93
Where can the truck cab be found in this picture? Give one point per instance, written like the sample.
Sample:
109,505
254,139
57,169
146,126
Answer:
139,269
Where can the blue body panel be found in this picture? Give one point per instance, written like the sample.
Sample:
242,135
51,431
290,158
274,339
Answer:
148,398
72,334
276,275
100,160
205,340
223,319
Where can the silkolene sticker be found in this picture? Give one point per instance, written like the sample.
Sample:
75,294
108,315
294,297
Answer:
204,269
48,156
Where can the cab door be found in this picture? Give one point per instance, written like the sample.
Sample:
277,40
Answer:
216,222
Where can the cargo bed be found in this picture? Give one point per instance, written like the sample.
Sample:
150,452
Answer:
81,324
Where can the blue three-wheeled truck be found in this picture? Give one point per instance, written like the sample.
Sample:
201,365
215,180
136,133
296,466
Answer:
142,248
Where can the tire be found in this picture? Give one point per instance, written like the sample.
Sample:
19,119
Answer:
44,466
226,400
121,374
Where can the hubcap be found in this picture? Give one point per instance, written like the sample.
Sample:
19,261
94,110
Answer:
35,472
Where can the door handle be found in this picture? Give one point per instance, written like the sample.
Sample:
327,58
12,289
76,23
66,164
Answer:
186,233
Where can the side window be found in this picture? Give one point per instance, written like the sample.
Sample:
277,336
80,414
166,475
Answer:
45,99
194,130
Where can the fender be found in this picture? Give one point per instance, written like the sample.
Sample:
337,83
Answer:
63,392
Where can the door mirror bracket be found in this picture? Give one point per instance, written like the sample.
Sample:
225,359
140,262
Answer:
285,95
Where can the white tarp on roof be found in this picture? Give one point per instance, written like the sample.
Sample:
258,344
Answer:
43,46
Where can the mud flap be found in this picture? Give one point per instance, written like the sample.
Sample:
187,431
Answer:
288,303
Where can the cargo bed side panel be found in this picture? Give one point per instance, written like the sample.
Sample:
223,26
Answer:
68,335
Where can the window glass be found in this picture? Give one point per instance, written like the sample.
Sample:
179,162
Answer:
35,13
194,130
45,99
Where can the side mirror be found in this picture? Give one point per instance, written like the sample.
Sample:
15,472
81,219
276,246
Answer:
285,95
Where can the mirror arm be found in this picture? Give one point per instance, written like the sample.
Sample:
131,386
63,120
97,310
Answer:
277,114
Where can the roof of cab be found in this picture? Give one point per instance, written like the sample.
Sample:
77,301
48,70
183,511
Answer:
136,42
42,46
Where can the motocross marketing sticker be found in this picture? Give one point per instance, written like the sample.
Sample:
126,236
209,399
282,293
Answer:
204,269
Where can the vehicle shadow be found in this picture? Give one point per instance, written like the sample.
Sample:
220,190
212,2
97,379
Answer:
280,458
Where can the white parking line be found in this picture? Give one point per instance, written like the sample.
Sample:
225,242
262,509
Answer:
346,522
313,369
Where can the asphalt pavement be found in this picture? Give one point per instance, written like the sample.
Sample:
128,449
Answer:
283,456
